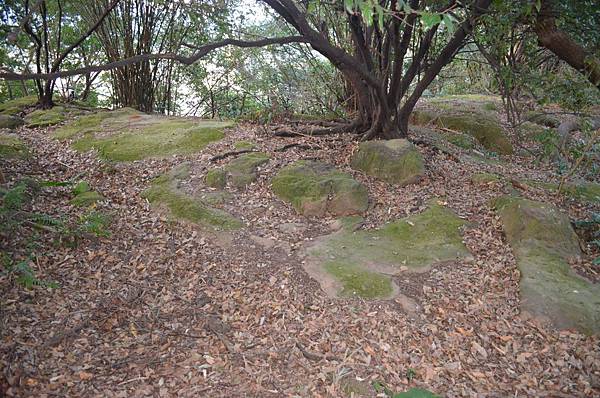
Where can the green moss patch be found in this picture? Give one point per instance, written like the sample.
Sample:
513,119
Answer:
164,192
17,105
361,263
216,178
84,196
485,178
315,188
127,135
244,145
543,240
12,147
395,161
46,117
242,171
542,119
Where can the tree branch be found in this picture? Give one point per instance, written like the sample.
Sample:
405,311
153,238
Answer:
201,52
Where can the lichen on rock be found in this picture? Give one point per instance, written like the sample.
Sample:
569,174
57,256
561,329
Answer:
543,240
315,189
394,161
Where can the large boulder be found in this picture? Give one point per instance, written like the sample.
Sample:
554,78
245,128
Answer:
10,122
484,127
315,189
543,240
394,161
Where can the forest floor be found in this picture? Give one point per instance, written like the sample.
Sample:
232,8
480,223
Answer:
167,308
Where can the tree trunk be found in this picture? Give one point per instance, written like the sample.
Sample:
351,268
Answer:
563,46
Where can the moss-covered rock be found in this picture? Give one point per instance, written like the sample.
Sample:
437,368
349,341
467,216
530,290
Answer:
315,188
216,178
531,130
46,117
361,263
395,161
242,171
485,178
17,105
165,192
461,140
542,119
584,190
127,135
12,147
485,127
10,122
85,199
543,240
244,145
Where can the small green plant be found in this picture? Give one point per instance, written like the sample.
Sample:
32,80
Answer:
22,273
410,374
412,393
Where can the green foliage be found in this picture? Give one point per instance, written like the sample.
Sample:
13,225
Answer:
412,393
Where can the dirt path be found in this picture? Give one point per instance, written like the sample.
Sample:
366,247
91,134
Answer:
162,308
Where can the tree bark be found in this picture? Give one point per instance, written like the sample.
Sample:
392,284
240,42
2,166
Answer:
563,46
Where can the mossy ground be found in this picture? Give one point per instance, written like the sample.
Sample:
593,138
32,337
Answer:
543,240
244,145
485,178
17,105
362,261
12,147
127,135
85,199
315,188
216,178
164,192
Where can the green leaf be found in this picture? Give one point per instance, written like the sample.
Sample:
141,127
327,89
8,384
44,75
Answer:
416,393
349,5
448,21
429,20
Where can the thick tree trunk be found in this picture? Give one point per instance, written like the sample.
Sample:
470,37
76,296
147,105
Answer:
563,46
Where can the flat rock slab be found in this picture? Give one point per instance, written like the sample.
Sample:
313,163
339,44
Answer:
362,263
126,134
315,189
10,122
394,161
543,240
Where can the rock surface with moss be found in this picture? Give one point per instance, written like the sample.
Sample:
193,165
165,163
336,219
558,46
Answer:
46,117
362,263
127,135
543,241
582,190
242,171
394,161
10,122
485,178
165,192
17,105
315,189
11,146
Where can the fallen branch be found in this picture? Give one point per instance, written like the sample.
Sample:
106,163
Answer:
296,145
314,356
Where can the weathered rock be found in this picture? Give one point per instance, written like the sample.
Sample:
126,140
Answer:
17,105
542,119
10,122
46,117
12,147
165,192
315,188
583,190
242,171
360,263
543,240
216,178
484,127
394,161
